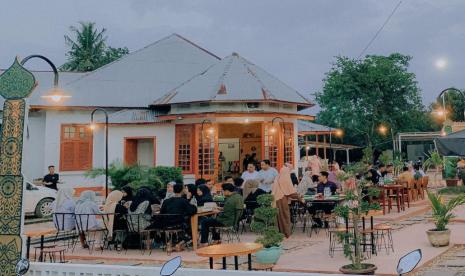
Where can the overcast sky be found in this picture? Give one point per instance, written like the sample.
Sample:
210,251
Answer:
294,40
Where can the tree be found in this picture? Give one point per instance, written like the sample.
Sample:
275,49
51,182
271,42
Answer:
88,51
372,98
455,105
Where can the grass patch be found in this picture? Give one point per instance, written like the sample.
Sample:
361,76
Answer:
452,190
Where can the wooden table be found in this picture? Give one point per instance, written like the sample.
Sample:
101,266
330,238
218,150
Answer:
38,233
195,225
229,250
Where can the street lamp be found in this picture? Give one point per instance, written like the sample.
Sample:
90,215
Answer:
92,127
273,128
211,130
443,112
55,94
382,129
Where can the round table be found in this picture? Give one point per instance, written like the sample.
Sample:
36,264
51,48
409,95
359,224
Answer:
229,250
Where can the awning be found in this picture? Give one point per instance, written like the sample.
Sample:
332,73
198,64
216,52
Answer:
452,144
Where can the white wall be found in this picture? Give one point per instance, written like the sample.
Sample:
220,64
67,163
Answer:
33,148
165,142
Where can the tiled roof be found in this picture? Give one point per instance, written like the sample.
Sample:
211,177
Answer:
233,79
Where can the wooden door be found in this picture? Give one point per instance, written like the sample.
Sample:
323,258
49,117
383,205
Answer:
207,149
130,152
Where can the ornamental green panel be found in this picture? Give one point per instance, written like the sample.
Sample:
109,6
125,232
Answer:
16,83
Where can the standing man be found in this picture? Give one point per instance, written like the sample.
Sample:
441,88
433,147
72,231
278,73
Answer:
266,176
51,179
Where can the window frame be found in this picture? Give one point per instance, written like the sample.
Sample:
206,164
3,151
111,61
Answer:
76,143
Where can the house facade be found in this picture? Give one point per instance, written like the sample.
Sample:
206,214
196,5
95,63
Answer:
171,103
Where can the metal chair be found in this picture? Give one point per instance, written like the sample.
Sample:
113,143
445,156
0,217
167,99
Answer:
137,224
91,234
170,226
230,232
69,236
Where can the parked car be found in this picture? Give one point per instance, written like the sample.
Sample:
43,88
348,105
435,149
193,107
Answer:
38,199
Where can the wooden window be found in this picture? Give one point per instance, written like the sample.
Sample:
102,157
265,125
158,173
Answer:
289,143
271,143
75,148
184,147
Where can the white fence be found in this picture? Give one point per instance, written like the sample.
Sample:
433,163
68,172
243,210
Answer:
49,269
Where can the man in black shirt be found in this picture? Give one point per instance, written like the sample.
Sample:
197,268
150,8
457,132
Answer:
324,183
51,179
177,205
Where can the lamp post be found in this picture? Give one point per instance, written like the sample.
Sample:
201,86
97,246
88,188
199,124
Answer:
16,84
92,125
442,95
202,146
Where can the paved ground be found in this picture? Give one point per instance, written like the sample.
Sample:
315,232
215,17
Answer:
310,254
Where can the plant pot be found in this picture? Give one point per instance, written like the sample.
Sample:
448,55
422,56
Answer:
452,182
269,255
367,269
438,238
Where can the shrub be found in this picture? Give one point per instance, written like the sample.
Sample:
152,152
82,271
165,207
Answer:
138,176
442,211
265,222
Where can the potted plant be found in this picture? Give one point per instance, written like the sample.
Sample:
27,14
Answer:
265,224
357,205
450,171
434,159
442,213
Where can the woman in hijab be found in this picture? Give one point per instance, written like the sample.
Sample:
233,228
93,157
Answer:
306,183
191,193
86,211
203,195
112,206
169,189
63,209
127,193
283,191
141,206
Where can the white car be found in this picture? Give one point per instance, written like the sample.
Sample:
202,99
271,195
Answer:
37,200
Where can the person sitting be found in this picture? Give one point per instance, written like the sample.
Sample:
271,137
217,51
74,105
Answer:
419,173
127,194
114,221
306,185
232,205
63,209
200,181
325,183
86,211
238,182
203,195
406,175
190,191
140,210
169,190
228,179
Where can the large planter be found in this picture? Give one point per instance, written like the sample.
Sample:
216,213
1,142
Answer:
452,182
367,269
438,238
269,255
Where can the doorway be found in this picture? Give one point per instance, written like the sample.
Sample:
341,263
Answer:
237,143
140,151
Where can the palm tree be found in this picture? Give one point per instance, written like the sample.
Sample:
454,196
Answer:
88,49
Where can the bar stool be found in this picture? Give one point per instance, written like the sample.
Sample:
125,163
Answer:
384,237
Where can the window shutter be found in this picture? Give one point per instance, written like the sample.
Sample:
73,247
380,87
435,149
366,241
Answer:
84,154
67,156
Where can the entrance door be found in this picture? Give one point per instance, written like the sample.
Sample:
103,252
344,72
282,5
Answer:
278,143
207,145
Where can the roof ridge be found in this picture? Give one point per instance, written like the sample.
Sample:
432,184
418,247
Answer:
141,49
222,77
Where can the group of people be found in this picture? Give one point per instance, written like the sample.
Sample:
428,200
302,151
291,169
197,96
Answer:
381,173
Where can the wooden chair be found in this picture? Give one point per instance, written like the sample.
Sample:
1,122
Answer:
399,197
423,186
